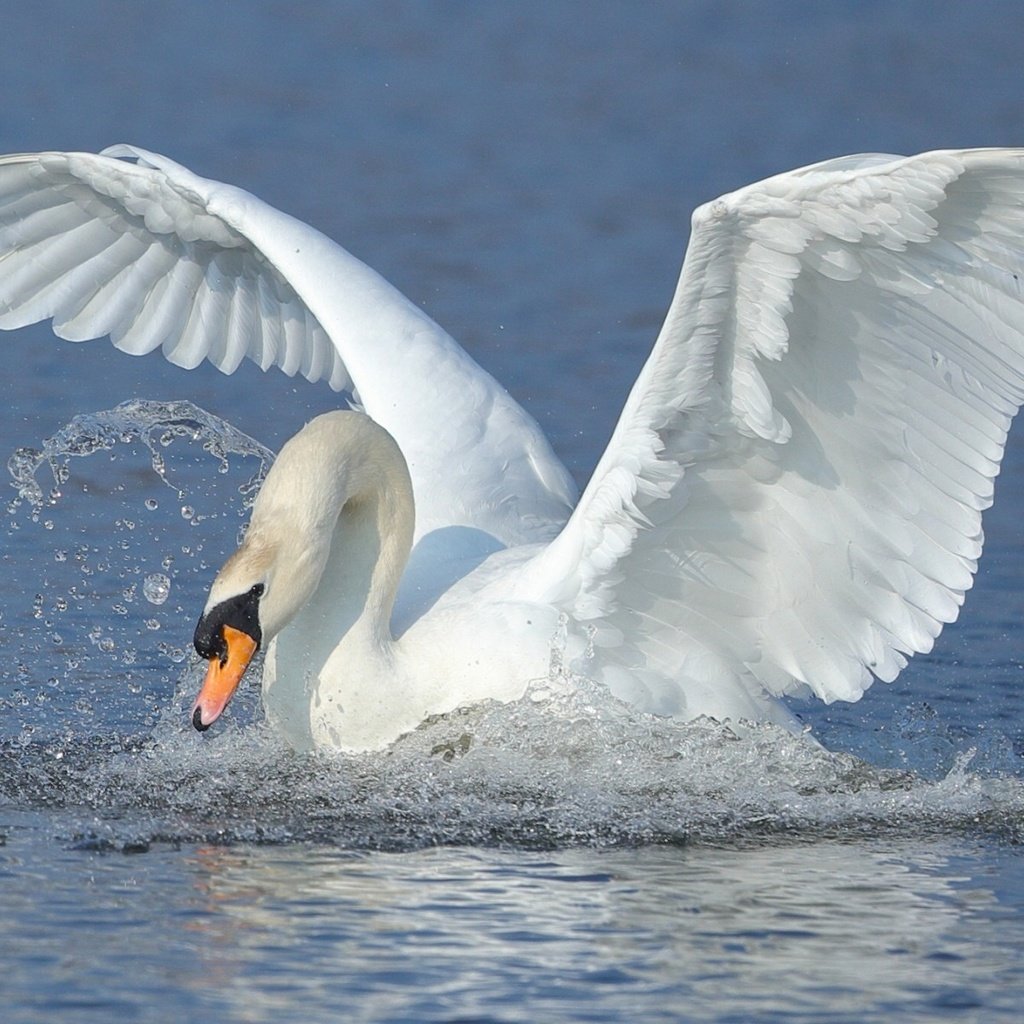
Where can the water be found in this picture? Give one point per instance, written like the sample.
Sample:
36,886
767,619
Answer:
526,174
256,933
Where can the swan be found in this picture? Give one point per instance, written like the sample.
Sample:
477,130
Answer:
790,503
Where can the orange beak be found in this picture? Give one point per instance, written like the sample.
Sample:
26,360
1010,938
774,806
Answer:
222,678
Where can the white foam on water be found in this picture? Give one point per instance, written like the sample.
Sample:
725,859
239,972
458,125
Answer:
100,676
559,768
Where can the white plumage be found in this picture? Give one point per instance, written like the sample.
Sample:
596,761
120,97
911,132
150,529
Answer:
791,501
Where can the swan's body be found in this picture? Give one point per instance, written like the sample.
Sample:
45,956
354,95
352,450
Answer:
330,535
790,503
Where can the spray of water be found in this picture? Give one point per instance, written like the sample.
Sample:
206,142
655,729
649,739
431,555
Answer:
113,533
114,548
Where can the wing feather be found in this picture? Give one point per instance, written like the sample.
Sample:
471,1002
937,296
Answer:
244,328
46,274
266,352
103,302
130,244
791,501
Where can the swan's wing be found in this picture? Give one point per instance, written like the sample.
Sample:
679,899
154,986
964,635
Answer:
792,497
132,245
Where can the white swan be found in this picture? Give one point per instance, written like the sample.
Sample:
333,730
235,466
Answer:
790,503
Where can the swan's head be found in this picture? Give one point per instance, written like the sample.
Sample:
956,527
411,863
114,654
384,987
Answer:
228,635
255,595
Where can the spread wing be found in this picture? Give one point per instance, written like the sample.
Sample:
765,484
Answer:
792,498
130,244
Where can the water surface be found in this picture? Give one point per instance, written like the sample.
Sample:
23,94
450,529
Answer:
526,174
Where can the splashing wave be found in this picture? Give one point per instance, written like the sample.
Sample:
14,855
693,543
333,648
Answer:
565,766
95,730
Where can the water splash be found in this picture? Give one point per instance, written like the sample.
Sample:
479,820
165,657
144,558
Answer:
156,425
566,769
98,679
105,575
156,587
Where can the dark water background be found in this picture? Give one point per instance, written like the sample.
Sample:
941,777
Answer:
526,173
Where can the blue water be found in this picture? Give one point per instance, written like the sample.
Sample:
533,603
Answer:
525,172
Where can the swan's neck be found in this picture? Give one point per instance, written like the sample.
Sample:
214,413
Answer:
340,506
369,549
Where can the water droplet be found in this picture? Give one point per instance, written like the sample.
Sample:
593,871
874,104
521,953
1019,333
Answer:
187,512
60,556
156,587
152,624
152,504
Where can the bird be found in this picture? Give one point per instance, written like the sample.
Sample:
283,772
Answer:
789,506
